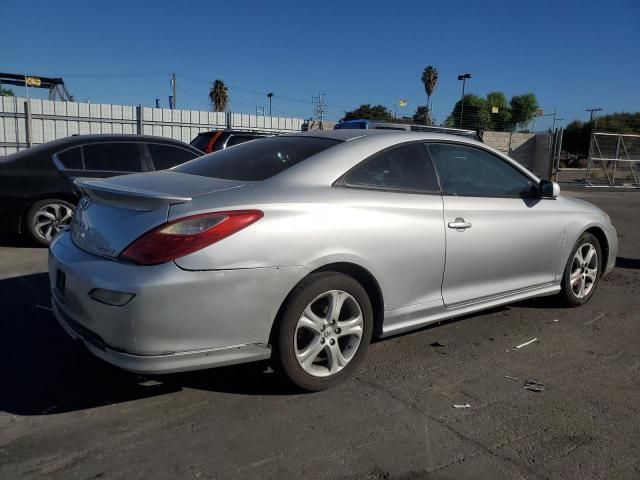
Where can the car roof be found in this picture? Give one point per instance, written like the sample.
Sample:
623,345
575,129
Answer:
347,135
75,140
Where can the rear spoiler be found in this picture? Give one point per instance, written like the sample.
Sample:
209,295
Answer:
130,198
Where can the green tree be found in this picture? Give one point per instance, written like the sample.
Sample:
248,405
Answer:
370,112
499,121
577,134
422,116
6,92
475,114
619,123
523,109
429,80
576,137
219,96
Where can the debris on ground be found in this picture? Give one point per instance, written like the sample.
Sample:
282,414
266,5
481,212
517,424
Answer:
594,320
465,405
44,307
378,474
511,378
555,320
534,386
525,344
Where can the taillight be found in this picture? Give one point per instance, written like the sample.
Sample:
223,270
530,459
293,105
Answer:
187,235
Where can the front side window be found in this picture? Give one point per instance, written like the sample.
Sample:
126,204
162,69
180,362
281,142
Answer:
167,156
404,168
115,157
257,160
472,172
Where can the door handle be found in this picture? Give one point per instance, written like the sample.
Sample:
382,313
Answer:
459,224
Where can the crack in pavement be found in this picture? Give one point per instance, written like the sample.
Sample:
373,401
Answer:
458,434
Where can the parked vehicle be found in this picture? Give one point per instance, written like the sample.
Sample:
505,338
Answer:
301,247
358,124
37,193
216,140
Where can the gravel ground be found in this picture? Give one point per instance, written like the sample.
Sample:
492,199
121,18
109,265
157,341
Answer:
66,415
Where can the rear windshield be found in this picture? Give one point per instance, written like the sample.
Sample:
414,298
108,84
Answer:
200,142
256,160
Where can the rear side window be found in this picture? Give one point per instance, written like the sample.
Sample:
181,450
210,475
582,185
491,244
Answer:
71,159
167,156
257,160
472,172
405,168
116,157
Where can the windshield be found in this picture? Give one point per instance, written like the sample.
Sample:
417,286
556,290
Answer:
258,159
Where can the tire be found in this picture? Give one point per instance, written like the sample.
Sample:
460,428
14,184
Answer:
47,217
319,349
581,274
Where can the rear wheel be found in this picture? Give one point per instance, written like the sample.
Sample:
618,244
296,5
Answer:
45,218
582,272
324,331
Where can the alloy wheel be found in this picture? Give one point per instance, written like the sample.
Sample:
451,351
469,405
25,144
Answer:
328,333
51,218
584,270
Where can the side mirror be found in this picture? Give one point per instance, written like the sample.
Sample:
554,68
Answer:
547,189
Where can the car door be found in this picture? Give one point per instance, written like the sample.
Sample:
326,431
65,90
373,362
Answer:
107,159
397,190
166,156
501,237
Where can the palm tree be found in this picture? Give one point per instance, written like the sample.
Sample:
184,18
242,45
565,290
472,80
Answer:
429,79
219,96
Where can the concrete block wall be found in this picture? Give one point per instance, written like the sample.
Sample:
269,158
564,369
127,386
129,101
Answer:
529,149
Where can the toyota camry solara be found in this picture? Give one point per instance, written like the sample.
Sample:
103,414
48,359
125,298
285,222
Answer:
301,248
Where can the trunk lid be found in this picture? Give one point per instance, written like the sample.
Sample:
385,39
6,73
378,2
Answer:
113,212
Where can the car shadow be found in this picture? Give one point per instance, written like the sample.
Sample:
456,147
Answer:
8,239
43,371
630,263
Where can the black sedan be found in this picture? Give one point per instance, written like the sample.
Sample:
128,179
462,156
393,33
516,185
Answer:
37,193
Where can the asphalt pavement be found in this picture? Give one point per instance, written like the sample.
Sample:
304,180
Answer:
66,415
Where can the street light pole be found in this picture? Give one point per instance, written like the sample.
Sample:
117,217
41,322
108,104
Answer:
463,77
270,96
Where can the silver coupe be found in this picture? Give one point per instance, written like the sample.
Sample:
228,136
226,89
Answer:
301,248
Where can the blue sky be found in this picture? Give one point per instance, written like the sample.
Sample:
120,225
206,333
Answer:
571,54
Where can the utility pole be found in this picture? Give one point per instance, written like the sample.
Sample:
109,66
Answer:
173,86
319,109
591,110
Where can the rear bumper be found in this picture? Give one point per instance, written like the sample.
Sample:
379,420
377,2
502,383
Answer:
178,320
157,364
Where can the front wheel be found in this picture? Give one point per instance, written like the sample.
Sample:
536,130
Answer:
582,272
324,331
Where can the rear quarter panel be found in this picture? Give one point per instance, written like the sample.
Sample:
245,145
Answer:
397,237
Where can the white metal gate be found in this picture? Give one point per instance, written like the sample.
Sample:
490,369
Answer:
614,160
